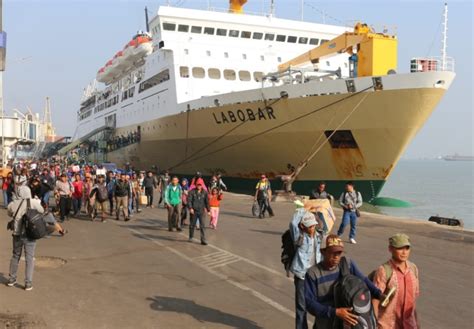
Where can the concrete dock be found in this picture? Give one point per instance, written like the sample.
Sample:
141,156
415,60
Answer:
139,275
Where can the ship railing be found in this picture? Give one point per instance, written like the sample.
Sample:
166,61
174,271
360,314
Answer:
299,76
432,63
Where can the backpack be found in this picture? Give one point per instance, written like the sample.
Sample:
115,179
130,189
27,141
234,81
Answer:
102,193
389,271
289,250
35,226
351,291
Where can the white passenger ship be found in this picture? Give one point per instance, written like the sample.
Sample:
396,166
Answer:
221,91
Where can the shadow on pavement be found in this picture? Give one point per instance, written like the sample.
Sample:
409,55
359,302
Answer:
200,313
268,232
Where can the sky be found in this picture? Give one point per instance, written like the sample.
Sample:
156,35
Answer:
54,48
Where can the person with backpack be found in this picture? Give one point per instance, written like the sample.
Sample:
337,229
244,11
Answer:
306,244
173,201
400,276
17,209
350,201
332,286
101,195
263,195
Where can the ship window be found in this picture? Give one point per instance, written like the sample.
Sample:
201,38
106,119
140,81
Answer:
244,75
208,52
226,54
258,76
244,56
269,36
229,74
186,51
341,139
184,72
258,35
183,28
131,91
214,73
209,30
303,40
279,59
245,34
222,32
313,41
169,26
233,33
154,80
292,39
198,72
262,57
196,29
281,38
324,41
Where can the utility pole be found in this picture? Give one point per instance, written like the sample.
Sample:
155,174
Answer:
302,10
3,49
444,44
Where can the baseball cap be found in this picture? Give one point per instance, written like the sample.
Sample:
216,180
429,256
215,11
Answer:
399,240
308,220
333,243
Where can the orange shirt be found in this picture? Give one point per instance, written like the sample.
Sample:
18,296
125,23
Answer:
215,200
400,311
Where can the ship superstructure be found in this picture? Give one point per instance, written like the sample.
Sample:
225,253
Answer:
208,91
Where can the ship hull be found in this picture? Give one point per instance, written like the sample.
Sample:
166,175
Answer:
242,141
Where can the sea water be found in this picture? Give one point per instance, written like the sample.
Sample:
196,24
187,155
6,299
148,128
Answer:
433,187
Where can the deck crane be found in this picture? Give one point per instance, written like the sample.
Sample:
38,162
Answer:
370,53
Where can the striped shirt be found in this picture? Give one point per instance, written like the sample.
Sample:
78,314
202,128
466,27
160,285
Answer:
319,291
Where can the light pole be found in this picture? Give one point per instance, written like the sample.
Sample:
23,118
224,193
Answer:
3,49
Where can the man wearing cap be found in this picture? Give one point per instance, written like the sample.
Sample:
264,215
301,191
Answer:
307,243
319,286
198,205
263,195
402,275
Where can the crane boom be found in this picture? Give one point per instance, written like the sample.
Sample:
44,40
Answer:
376,52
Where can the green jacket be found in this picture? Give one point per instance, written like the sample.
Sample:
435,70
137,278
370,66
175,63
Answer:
173,197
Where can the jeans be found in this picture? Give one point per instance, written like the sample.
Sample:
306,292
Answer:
130,205
76,205
64,206
46,198
5,198
20,243
348,216
264,205
197,216
300,305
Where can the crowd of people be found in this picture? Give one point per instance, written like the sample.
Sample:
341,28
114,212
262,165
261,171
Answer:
317,264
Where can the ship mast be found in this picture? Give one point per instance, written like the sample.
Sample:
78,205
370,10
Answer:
444,45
